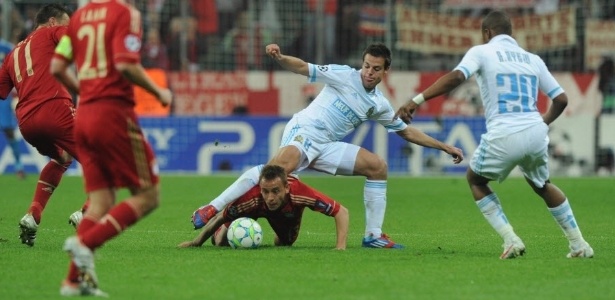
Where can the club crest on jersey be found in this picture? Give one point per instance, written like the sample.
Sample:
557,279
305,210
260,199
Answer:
323,68
132,43
299,139
369,112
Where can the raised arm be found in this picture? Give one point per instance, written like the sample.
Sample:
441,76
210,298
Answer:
341,226
418,137
291,63
442,86
209,229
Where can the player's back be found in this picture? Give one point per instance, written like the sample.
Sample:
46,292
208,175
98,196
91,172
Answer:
509,83
103,34
28,68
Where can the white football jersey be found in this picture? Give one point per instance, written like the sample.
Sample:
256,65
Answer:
509,79
344,104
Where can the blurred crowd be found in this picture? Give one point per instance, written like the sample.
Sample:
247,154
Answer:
230,34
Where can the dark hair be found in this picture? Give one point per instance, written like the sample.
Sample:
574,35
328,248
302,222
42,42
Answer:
497,21
271,172
50,10
379,50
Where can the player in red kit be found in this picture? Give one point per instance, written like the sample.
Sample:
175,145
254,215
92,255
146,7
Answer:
281,200
104,39
45,110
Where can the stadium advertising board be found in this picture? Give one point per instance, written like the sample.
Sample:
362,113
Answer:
432,32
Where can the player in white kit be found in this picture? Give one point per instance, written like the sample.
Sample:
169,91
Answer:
312,138
509,79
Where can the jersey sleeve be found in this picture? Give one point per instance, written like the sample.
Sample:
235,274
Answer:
245,206
329,74
385,118
546,82
304,195
57,33
126,40
470,63
64,49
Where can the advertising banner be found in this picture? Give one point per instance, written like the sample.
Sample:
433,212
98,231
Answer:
433,32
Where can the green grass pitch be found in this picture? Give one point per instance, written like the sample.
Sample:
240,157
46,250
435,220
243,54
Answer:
451,252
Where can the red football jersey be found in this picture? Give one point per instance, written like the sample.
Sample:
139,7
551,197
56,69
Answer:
252,204
102,34
27,69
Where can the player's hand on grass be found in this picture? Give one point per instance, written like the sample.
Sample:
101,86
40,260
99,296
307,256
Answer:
186,244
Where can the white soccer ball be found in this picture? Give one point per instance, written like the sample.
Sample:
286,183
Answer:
244,233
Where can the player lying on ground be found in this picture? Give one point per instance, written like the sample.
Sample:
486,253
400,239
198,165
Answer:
281,200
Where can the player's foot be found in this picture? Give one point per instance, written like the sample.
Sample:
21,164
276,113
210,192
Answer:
581,250
380,242
21,174
27,228
201,216
513,248
83,258
71,289
75,218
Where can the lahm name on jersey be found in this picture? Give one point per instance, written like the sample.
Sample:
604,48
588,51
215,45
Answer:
93,15
511,56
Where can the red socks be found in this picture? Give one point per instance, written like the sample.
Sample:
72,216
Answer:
47,182
117,220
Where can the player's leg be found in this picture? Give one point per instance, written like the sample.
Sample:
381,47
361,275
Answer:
536,172
351,160
48,180
488,163
244,183
81,247
292,155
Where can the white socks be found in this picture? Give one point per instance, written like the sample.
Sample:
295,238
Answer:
244,183
492,210
374,197
565,218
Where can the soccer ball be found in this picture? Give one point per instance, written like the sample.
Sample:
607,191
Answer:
244,233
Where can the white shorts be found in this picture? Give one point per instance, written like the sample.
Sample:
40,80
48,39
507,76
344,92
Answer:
496,157
318,152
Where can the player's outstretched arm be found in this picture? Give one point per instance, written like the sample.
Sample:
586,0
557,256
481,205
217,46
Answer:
209,229
136,74
442,86
291,63
341,227
418,137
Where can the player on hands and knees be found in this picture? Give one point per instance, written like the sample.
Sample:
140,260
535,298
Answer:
312,138
509,79
281,200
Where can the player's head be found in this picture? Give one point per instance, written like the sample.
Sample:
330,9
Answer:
495,23
376,62
52,15
274,186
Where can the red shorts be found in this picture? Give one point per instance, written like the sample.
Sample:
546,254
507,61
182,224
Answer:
50,128
113,151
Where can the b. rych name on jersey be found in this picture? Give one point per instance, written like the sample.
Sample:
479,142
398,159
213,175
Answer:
347,112
513,57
